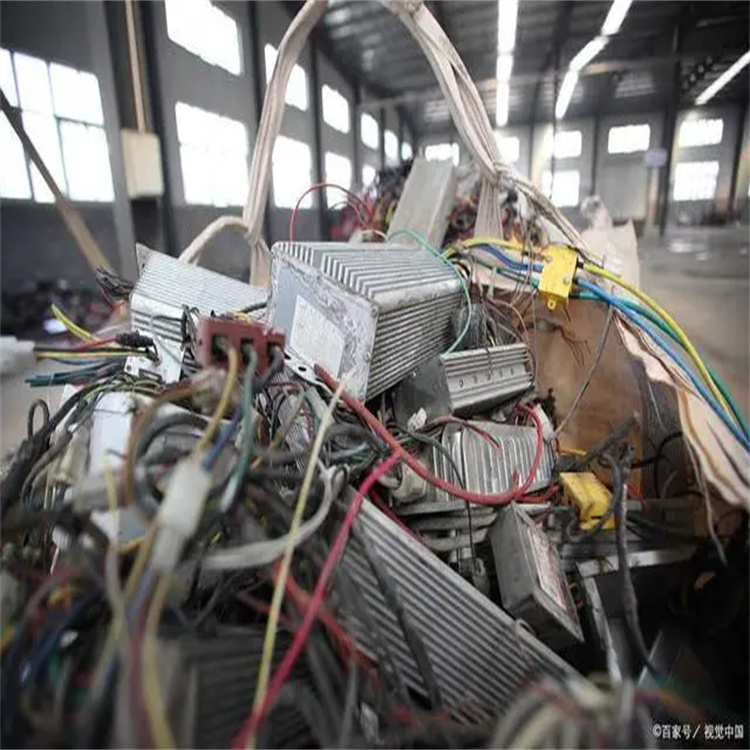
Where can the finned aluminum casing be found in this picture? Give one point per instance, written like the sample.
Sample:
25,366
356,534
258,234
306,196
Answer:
493,469
464,382
369,312
480,655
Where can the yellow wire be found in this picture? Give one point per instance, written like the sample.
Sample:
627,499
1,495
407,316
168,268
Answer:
73,354
75,329
474,241
154,701
213,425
659,310
9,633
264,672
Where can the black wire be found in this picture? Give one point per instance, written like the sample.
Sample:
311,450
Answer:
350,704
39,404
390,594
620,474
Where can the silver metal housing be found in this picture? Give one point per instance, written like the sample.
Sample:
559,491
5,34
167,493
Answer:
480,655
464,382
165,285
368,312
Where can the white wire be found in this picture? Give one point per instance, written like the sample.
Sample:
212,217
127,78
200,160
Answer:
466,107
260,554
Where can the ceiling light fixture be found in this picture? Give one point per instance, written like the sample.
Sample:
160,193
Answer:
616,15
507,18
588,53
723,80
565,94
507,15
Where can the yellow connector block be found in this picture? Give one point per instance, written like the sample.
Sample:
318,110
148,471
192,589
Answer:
557,275
589,495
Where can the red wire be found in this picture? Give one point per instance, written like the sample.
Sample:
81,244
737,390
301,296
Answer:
473,497
250,725
94,344
320,186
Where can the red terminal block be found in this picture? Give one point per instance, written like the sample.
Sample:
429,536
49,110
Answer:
217,335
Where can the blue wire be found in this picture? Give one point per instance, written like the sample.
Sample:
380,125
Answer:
500,255
641,321
224,438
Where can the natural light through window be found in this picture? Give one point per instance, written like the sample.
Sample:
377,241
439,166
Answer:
406,151
61,110
628,139
568,144
296,90
369,130
695,181
213,157
510,147
442,152
339,171
335,109
700,133
292,172
368,175
207,32
565,190
391,147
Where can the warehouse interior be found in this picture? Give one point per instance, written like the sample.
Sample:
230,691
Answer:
131,137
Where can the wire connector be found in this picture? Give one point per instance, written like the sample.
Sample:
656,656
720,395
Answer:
557,276
180,512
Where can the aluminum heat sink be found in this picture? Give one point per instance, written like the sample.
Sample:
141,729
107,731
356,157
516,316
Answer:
166,285
480,655
464,382
370,312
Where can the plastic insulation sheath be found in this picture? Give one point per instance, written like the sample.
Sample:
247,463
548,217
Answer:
654,318
425,244
675,355
250,726
473,497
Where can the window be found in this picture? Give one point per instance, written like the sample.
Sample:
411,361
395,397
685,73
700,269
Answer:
369,173
207,32
510,147
369,130
61,110
566,186
627,139
291,172
335,109
391,146
213,157
338,171
700,132
695,180
296,90
568,144
406,151
442,152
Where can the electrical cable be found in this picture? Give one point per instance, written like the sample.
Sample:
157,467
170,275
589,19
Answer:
249,727
659,310
590,374
278,593
391,596
226,395
641,323
473,497
422,241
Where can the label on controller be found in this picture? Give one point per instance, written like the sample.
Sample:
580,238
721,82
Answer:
315,339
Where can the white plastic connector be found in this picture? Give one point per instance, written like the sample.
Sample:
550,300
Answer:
548,431
180,512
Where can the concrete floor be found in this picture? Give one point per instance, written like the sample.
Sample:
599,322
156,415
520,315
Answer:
699,275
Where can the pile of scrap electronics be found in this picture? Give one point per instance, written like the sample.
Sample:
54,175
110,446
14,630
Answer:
481,494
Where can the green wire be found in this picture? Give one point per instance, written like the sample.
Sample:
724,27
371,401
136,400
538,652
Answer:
422,241
666,328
